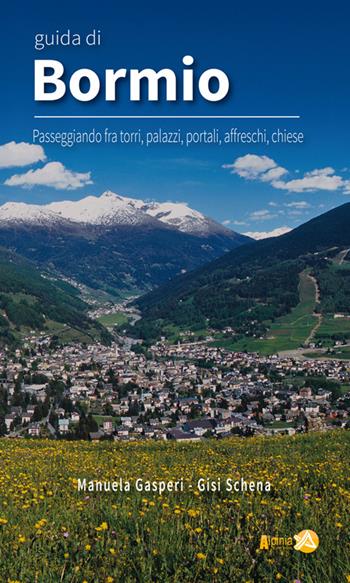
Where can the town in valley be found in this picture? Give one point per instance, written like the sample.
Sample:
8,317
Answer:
190,390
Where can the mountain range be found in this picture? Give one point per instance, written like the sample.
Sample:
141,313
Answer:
112,242
252,286
194,274
111,209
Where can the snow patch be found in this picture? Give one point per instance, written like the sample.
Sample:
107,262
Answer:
258,235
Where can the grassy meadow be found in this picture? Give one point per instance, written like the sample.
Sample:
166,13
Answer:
115,319
331,327
52,533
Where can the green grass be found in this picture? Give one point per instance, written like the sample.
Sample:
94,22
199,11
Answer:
280,425
296,381
116,319
101,418
331,326
172,333
101,296
52,533
338,353
66,334
288,332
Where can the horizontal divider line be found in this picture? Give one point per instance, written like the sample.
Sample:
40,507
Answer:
167,116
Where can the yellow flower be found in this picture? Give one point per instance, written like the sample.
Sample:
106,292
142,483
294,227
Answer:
201,556
112,551
338,525
21,538
3,521
220,561
88,547
66,555
279,576
198,530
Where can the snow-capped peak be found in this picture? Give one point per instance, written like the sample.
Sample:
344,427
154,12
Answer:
113,209
178,215
107,209
26,213
173,211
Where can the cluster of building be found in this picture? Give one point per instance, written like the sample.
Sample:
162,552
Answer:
187,391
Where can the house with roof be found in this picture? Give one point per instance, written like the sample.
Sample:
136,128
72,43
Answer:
63,425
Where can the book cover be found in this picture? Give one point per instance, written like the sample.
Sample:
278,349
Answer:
174,292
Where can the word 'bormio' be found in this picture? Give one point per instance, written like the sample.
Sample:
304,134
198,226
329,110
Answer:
51,83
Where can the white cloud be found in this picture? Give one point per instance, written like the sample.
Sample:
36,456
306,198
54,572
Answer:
319,179
265,169
239,223
262,215
347,187
253,167
300,204
267,234
273,174
20,154
228,222
53,174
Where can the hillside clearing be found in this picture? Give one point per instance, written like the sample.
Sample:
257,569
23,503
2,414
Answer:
290,331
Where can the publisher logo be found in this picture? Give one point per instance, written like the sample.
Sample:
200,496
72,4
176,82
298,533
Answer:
307,541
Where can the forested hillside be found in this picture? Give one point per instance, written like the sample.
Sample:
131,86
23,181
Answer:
250,287
29,300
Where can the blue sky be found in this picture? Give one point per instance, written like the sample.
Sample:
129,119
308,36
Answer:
281,59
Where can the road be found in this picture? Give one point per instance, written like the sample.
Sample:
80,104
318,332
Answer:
317,315
43,421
